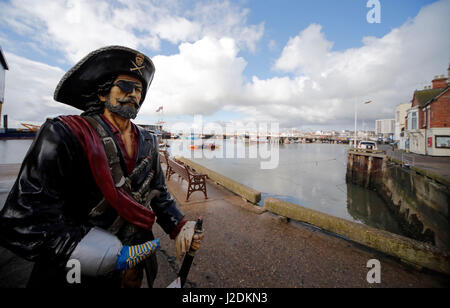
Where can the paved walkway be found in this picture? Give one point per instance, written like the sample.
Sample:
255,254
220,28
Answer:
437,165
245,247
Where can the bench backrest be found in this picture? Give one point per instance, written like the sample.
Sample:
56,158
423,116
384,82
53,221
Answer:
178,168
163,157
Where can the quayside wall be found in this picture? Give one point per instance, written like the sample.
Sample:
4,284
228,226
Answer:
419,199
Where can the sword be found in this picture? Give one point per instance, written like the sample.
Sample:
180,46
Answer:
187,261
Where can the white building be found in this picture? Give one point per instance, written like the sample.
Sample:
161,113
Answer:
401,112
385,127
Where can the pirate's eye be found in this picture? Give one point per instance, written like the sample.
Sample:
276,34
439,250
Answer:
128,86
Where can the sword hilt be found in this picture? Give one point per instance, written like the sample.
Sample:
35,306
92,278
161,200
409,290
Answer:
198,229
199,225
189,257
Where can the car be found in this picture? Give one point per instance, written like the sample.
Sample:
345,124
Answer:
367,145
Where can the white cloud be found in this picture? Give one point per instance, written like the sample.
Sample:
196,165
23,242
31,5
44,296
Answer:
386,70
29,91
200,79
221,18
177,29
78,27
324,85
307,52
206,75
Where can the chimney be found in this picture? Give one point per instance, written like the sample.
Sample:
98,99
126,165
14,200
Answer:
448,73
439,82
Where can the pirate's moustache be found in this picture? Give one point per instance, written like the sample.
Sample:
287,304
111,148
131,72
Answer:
123,109
128,100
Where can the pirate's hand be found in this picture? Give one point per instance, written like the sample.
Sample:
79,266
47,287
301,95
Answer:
197,241
184,239
130,256
187,239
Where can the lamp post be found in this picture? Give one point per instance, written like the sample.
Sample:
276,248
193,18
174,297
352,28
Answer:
356,117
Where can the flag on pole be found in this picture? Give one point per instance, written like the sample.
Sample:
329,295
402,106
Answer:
159,109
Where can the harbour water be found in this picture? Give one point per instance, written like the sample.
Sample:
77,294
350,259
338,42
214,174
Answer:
13,151
311,175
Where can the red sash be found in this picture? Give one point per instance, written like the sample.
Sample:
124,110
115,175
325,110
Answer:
125,206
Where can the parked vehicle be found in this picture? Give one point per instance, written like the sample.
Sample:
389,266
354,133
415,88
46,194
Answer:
368,145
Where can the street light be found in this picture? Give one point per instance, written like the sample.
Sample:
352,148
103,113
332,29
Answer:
356,117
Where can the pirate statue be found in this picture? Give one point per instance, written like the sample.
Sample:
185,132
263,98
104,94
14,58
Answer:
91,186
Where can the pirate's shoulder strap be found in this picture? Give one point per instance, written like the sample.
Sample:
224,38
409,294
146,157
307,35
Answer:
111,151
112,155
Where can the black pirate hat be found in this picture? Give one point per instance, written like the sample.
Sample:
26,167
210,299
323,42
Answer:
84,78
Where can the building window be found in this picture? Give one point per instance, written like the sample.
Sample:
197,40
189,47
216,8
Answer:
413,120
424,118
429,117
443,142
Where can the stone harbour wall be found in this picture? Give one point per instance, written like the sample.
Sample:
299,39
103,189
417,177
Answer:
419,200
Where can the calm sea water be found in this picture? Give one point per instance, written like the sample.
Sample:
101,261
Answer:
13,151
311,175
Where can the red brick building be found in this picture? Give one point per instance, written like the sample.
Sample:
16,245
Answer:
428,120
436,112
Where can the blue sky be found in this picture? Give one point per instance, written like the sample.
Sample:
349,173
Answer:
343,21
303,64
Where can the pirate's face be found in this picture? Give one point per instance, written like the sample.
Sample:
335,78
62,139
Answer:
124,97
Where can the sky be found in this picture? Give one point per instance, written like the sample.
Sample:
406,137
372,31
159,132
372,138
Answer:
302,64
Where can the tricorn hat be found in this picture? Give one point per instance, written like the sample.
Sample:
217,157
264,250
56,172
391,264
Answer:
84,78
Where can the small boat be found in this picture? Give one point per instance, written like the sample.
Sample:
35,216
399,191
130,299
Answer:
209,146
195,147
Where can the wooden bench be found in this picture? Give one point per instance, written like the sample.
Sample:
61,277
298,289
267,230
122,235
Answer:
196,182
163,157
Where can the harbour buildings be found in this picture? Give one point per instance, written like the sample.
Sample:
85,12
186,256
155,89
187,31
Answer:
385,128
428,120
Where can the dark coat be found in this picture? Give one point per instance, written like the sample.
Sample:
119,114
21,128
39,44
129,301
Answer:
46,213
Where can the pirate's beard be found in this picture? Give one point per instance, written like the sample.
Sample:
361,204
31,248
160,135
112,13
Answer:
123,109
